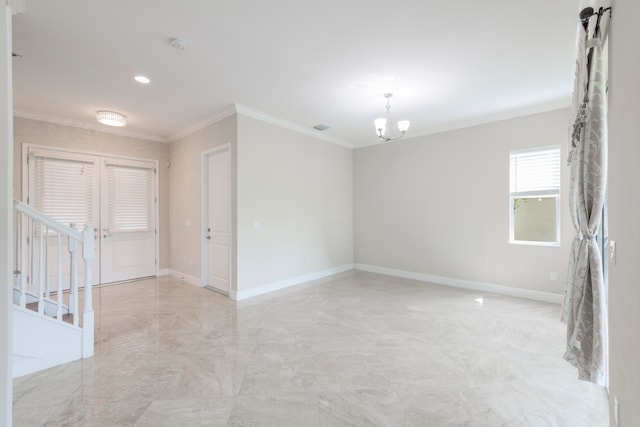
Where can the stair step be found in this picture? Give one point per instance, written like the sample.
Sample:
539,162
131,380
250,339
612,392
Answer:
68,318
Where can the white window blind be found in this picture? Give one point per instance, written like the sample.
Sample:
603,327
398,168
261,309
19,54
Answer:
130,198
64,189
535,170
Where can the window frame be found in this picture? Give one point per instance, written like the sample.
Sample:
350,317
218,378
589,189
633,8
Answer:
546,193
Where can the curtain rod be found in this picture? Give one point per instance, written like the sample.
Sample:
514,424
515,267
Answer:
588,12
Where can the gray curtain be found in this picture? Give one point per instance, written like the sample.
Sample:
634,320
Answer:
585,300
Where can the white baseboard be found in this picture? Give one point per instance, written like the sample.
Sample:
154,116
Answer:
265,289
163,272
185,277
466,284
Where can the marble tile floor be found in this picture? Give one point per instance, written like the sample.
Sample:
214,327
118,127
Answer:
355,349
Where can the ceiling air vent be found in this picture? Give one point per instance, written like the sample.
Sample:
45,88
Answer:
321,127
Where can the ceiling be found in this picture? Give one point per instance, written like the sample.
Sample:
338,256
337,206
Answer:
449,63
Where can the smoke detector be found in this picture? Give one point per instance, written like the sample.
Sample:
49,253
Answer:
177,44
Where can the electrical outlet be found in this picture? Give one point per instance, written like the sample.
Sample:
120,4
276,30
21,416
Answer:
612,252
553,276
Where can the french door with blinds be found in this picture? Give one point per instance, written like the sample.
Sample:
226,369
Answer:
116,196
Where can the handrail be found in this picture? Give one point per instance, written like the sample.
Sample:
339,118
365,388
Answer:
52,224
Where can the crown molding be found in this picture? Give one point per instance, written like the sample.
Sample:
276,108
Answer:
227,112
268,118
88,126
497,117
258,115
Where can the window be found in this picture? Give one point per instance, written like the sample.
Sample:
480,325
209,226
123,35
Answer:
64,188
130,198
534,201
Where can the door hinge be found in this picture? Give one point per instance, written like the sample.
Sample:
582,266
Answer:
156,200
27,240
156,230
27,199
28,278
156,261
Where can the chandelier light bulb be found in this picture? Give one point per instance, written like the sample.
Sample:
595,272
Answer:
381,124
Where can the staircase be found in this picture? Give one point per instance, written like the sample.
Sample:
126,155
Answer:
48,328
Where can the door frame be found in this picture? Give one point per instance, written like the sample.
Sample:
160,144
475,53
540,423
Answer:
26,147
204,201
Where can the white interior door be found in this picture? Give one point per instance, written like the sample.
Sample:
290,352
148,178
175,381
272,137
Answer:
128,220
217,219
63,186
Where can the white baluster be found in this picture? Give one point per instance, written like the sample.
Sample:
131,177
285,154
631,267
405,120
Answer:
59,295
87,315
32,282
73,278
21,263
40,269
17,243
47,288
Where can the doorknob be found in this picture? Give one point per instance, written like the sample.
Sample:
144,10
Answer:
208,237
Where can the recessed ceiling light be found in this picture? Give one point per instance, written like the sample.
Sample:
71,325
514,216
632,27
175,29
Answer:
142,79
111,118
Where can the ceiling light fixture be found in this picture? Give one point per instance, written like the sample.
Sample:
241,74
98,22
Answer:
111,118
142,79
386,132
178,44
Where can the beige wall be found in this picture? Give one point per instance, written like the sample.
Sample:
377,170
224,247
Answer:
439,205
299,190
186,193
27,131
624,210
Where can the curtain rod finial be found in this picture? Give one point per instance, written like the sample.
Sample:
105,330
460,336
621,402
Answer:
586,13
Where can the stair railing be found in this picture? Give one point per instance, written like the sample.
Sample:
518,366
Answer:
39,255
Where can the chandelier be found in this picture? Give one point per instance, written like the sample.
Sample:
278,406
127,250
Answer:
386,131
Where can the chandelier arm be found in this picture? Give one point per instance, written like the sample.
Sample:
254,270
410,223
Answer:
387,139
